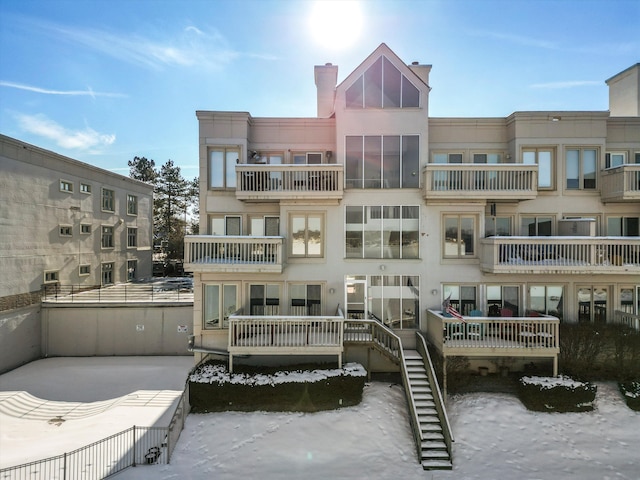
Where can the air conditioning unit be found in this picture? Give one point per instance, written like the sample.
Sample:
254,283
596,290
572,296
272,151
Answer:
577,227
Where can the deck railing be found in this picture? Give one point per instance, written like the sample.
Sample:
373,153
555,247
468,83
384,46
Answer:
560,254
621,184
512,181
207,253
625,318
372,331
277,182
119,293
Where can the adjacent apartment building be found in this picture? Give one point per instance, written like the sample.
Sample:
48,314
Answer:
64,222
375,210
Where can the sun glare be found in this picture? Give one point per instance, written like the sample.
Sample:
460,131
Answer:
336,24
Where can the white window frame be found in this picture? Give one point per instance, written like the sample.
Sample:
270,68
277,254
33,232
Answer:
323,227
608,156
537,150
229,162
581,174
459,255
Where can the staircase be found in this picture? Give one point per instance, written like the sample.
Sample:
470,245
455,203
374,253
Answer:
433,452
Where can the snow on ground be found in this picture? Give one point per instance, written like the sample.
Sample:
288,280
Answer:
496,437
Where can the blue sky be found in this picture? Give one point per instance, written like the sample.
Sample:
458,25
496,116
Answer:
103,81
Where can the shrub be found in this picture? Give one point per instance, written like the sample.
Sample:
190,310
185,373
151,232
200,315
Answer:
631,393
556,394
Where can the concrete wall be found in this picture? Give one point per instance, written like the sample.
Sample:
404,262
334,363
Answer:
20,335
101,330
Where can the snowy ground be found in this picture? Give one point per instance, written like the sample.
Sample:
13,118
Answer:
496,437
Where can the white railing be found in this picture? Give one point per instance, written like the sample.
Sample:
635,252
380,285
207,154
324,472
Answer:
495,181
372,331
621,183
625,318
233,253
255,182
561,254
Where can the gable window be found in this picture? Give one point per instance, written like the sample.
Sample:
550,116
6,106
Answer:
107,237
382,85
227,225
459,236
547,299
84,270
307,234
219,300
107,273
66,186
132,205
264,299
389,161
389,231
51,276
543,157
222,167
85,188
66,230
536,226
306,300
581,164
108,200
132,237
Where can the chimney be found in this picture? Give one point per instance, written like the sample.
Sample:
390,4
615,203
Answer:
624,93
326,78
421,71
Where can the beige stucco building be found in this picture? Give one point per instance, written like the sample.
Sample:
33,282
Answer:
375,210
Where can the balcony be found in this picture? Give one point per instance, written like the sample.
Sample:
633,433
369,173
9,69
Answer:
561,255
513,181
230,254
621,184
266,183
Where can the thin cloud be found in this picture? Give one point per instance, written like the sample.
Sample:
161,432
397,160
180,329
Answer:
87,139
88,92
568,84
518,39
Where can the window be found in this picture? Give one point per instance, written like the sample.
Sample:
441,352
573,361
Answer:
581,167
394,299
547,299
227,225
66,186
222,167
497,226
132,205
503,301
307,234
306,300
623,226
630,299
84,270
390,161
382,231
447,158
51,276
132,269
614,159
459,236
536,226
108,200
462,297
132,237
490,158
308,158
107,237
107,273
264,226
543,157
85,188
85,229
382,86
219,301
592,304
66,230
264,299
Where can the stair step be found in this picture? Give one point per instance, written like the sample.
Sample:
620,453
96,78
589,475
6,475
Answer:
426,428
423,397
427,415
421,389
435,436
433,445
437,465
435,455
424,404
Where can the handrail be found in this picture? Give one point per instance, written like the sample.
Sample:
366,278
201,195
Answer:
626,318
421,346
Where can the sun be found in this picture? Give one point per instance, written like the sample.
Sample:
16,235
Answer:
336,24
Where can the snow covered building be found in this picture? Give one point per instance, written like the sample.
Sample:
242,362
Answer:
376,212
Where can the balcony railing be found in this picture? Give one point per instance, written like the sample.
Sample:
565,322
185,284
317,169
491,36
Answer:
289,182
209,253
512,181
586,255
621,184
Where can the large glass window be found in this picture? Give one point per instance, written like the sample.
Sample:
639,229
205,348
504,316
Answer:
132,205
394,300
547,299
108,200
306,299
459,236
227,225
382,231
307,234
107,273
461,297
222,167
536,226
219,301
497,226
382,86
132,237
592,304
264,299
389,161
614,159
503,301
630,299
623,226
264,226
107,237
543,157
581,165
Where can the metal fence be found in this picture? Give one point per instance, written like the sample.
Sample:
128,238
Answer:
129,448
178,290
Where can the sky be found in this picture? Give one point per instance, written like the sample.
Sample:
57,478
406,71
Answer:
496,437
103,81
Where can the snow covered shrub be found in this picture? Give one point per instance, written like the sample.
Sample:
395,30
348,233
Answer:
631,393
556,394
